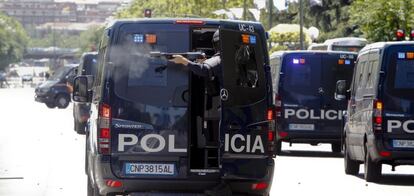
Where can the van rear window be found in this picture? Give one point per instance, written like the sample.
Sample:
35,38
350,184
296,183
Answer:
148,80
400,74
404,75
302,71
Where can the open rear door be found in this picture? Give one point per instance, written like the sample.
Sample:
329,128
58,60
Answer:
244,102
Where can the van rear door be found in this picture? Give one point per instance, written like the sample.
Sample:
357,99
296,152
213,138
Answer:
398,98
244,102
335,66
149,125
301,92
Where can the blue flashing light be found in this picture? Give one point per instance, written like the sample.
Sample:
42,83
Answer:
347,62
295,61
252,39
138,38
401,55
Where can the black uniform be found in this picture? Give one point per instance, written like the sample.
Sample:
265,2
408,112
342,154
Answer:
210,68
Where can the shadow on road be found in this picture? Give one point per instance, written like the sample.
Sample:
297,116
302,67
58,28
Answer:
319,154
394,179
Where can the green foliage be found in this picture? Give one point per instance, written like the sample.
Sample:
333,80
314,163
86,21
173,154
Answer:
181,8
287,40
91,38
379,19
331,18
13,41
86,41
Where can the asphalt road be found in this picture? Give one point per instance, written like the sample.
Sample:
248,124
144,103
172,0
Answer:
40,154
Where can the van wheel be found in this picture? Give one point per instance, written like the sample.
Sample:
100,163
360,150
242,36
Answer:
372,169
351,166
79,128
336,147
62,101
92,189
50,105
278,147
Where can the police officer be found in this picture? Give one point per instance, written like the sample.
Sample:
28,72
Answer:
209,68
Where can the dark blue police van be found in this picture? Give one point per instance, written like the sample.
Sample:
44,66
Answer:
55,92
157,127
304,86
379,127
87,67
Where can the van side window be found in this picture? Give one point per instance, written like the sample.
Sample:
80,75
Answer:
246,66
275,64
360,83
368,81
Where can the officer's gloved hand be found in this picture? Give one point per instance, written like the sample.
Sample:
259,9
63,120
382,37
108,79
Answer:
178,59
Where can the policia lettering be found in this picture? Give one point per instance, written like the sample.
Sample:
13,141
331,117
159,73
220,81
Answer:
396,124
310,114
156,143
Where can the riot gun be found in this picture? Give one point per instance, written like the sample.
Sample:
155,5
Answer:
189,55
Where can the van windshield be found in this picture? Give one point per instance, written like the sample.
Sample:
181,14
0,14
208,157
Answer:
60,73
401,76
148,80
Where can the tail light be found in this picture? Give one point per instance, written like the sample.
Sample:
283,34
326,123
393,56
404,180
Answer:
259,186
113,183
104,134
377,116
270,115
278,106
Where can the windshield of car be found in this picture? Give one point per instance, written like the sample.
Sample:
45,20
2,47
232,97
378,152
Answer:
59,73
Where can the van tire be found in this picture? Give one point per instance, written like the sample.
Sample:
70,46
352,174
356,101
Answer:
50,105
336,147
372,171
351,166
62,101
79,127
92,189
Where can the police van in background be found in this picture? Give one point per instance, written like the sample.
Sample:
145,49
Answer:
87,67
156,127
303,87
379,127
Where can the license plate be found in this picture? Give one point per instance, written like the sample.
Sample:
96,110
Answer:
403,143
304,127
150,169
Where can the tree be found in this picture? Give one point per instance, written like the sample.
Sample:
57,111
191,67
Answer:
330,17
181,8
380,19
13,41
91,38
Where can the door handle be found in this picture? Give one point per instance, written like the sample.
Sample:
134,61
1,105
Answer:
321,91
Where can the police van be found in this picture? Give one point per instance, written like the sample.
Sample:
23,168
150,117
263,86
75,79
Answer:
304,86
87,66
157,127
379,127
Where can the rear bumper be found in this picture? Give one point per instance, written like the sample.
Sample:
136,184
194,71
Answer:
102,173
396,157
311,137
